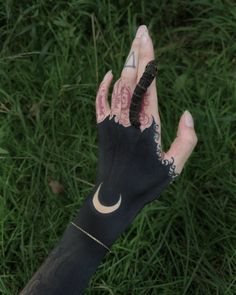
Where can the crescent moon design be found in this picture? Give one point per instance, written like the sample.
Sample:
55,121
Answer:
101,208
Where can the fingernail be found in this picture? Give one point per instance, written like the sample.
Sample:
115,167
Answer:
109,73
140,31
144,37
188,119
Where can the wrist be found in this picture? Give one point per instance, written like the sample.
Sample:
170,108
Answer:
105,227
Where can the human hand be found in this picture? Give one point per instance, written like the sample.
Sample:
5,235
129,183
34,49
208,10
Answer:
132,168
116,142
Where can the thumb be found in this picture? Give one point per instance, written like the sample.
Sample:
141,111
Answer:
184,143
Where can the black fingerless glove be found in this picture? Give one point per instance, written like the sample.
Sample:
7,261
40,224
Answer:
131,174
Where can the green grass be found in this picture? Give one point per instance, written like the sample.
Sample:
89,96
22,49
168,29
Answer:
53,55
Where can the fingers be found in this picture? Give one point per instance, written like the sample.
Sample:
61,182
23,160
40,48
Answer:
102,104
146,54
123,88
130,69
184,143
140,54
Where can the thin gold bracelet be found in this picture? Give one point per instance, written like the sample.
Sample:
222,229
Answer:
92,237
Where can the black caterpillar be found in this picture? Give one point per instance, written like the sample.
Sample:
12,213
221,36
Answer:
139,91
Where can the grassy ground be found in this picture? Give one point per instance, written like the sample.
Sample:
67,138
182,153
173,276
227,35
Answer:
53,54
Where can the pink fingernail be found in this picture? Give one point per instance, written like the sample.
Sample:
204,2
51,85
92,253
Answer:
144,37
108,73
140,31
188,119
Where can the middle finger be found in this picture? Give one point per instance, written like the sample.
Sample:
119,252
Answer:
124,87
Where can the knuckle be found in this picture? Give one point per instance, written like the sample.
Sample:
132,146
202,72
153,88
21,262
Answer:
136,43
192,139
147,54
98,95
116,85
128,75
195,138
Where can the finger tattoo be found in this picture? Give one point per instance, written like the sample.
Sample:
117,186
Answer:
130,62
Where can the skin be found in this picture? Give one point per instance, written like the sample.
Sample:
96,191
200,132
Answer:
140,54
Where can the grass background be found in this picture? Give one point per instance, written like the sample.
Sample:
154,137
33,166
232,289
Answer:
53,55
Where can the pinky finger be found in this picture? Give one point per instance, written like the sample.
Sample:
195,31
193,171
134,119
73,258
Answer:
102,104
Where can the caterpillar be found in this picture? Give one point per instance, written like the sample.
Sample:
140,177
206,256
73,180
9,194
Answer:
139,91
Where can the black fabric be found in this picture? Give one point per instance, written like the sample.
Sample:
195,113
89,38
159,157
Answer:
130,166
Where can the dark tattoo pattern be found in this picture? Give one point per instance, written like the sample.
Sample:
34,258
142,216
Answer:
130,62
139,91
40,282
160,155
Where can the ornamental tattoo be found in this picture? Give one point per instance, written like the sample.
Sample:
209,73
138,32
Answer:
134,103
52,267
160,155
121,99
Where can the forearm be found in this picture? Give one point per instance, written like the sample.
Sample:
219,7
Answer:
69,266
80,251
77,255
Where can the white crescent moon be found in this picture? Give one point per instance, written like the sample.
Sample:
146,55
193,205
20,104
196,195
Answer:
101,208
